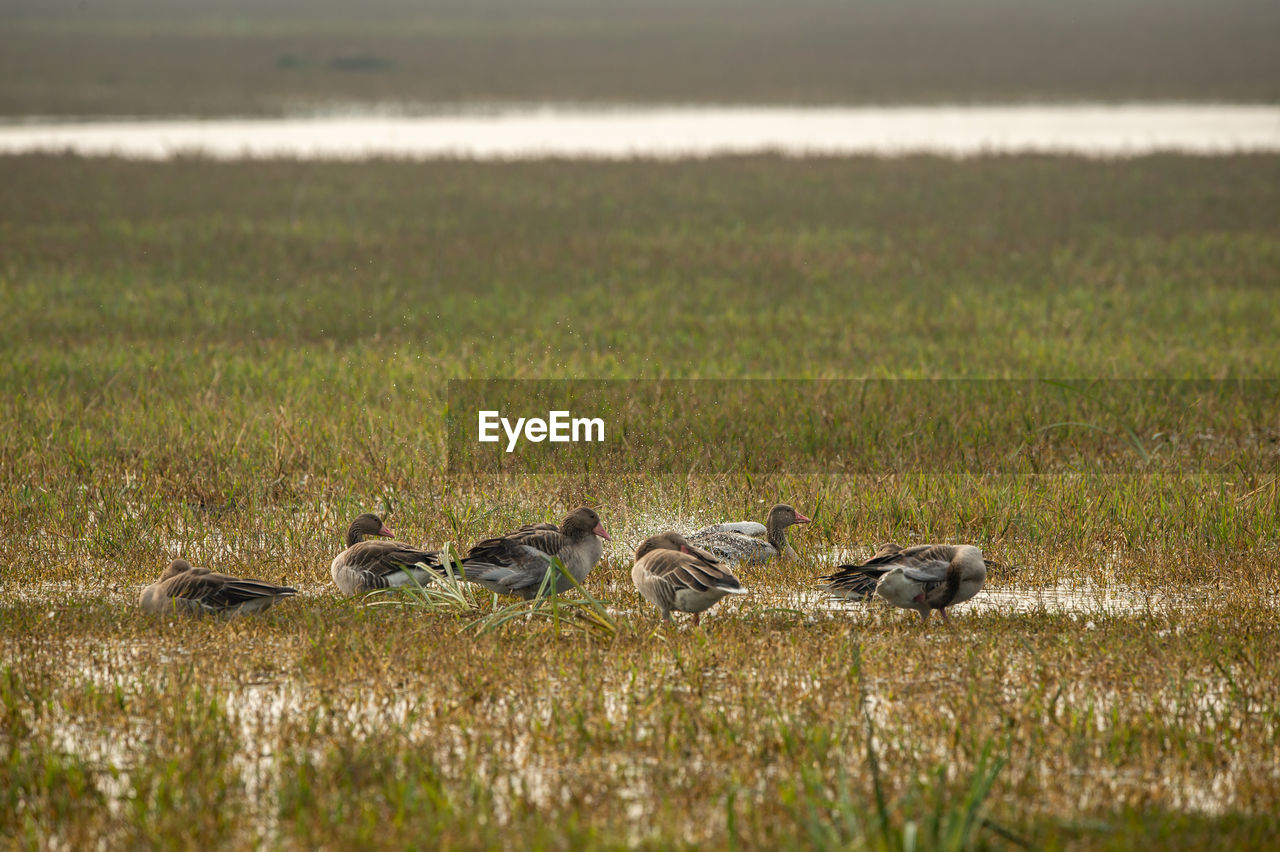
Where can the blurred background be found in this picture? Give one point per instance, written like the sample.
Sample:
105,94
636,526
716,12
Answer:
238,57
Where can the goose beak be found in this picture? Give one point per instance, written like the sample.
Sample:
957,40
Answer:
801,519
386,532
599,530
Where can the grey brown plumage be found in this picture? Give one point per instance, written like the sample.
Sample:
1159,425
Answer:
184,588
675,575
924,577
517,563
729,541
368,565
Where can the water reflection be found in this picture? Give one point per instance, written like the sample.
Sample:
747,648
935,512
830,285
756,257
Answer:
672,132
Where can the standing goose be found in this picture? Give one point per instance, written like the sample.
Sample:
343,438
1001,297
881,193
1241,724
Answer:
736,542
924,577
368,565
673,574
516,563
182,588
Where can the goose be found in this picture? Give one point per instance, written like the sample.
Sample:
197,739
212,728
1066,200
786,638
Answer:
368,565
516,563
673,574
738,542
183,588
924,577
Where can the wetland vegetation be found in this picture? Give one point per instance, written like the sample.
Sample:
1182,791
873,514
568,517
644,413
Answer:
229,361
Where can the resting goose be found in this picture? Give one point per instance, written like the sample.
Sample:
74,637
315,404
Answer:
673,574
733,544
516,563
368,565
182,588
924,577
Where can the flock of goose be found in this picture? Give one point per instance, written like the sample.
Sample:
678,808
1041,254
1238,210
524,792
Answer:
673,572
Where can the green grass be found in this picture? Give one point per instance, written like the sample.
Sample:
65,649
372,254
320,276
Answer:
229,361
219,57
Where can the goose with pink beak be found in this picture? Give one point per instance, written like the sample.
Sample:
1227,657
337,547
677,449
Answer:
749,543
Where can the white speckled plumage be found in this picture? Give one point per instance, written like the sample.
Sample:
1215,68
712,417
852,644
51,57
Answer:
732,543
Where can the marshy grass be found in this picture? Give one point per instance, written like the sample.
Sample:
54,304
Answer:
228,362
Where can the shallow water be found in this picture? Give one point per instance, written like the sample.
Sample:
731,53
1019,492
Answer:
258,710
541,131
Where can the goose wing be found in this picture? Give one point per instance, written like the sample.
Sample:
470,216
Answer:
694,571
736,547
528,547
662,574
748,528
382,558
859,581
519,561
215,591
924,563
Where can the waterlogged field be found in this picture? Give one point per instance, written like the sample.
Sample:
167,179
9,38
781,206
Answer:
229,361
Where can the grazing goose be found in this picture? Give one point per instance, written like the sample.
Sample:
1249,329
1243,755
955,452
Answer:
924,577
182,588
672,574
516,563
368,565
731,543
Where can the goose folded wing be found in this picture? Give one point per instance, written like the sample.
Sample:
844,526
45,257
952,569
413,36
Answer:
516,562
705,556
709,571
240,591
382,558
686,571
930,577
854,580
522,548
529,566
219,591
890,555
747,528
930,572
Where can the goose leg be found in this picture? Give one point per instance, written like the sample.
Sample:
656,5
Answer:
696,616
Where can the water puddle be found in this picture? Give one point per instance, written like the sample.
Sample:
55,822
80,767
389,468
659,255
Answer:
622,132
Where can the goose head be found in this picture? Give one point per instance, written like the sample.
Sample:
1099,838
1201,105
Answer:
583,522
663,541
367,524
783,515
176,567
780,517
